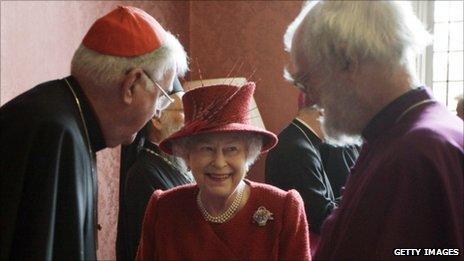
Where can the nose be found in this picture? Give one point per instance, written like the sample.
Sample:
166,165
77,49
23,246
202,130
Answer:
219,161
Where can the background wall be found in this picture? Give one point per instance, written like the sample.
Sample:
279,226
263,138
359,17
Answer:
38,39
224,32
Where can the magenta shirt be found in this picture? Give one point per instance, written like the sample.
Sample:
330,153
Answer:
406,190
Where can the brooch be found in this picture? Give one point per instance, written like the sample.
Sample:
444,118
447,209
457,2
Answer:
262,215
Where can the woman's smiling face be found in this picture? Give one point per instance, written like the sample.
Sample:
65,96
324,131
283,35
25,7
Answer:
218,163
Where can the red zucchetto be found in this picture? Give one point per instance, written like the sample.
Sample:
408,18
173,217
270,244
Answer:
126,31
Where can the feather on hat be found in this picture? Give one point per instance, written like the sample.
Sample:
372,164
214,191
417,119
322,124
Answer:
218,108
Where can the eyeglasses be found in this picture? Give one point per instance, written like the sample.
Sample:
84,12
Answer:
298,81
162,102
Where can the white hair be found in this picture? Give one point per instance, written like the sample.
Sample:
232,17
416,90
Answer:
254,142
385,31
105,71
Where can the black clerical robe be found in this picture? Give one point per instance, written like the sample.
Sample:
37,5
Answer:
337,163
48,178
297,162
149,173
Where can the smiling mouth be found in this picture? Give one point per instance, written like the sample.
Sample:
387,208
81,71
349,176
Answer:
218,177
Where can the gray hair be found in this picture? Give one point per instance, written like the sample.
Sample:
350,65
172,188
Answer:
385,31
254,142
104,71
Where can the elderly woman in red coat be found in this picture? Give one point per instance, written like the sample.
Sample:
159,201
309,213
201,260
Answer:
223,216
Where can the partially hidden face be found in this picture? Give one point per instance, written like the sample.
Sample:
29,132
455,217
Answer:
172,118
331,91
218,163
145,96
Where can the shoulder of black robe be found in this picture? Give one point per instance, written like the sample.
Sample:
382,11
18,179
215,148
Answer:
295,163
47,195
128,157
149,173
337,163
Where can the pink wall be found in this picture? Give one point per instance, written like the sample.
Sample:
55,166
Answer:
38,39
222,32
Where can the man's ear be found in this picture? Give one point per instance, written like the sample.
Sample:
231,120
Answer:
130,80
156,122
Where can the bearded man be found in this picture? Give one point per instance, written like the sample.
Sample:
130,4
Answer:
152,170
353,58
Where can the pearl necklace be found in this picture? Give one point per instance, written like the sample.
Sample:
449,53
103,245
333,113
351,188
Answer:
225,216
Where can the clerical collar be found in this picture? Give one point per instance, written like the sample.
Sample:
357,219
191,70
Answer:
152,146
389,115
307,132
302,122
97,142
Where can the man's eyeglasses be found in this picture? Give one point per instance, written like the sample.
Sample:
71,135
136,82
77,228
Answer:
298,81
163,101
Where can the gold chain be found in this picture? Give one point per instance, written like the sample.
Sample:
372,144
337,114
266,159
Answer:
170,163
83,121
95,195
225,216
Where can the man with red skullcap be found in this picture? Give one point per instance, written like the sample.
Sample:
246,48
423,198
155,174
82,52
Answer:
120,77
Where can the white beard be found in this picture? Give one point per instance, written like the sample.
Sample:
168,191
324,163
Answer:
338,139
342,120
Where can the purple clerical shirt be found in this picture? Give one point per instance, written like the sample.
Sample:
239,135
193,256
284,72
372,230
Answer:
406,189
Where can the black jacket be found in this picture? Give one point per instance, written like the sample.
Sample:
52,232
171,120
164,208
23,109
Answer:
297,163
149,173
48,179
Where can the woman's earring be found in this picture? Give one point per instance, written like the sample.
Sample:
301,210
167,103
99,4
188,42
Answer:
188,168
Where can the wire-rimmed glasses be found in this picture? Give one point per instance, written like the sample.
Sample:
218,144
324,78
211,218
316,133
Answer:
163,101
298,82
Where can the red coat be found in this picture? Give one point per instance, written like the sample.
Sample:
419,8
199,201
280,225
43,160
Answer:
174,228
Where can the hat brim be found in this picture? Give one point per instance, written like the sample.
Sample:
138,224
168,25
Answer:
269,138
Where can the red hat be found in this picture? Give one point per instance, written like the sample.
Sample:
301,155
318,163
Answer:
125,31
219,108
